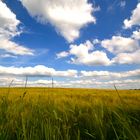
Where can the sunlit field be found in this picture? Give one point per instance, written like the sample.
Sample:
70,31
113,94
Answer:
69,114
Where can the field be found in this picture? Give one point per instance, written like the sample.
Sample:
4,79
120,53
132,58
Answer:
69,114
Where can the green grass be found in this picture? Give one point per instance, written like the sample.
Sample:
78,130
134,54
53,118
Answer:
69,114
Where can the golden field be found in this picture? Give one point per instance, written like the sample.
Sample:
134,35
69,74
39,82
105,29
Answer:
69,114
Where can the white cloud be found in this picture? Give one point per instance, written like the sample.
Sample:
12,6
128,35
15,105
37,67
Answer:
8,21
48,83
132,73
96,41
38,70
62,54
91,59
67,16
68,73
124,50
5,81
99,74
82,50
124,84
110,74
7,56
127,58
121,84
119,44
14,48
84,54
70,78
136,35
134,19
9,29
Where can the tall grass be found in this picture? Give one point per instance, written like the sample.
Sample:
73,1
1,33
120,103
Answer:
69,114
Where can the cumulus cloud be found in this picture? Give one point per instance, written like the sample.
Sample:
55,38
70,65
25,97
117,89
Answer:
81,50
62,54
8,21
136,34
14,48
41,70
9,29
38,70
107,79
121,84
68,17
99,74
7,56
86,83
48,83
71,78
91,59
127,58
86,55
125,50
134,19
119,44
110,74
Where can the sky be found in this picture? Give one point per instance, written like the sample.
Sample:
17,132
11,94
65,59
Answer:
80,43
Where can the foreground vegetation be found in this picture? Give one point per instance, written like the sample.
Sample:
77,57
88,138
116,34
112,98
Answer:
69,114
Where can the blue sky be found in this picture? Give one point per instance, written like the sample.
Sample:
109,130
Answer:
93,43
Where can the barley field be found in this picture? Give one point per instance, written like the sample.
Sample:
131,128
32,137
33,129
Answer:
69,114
